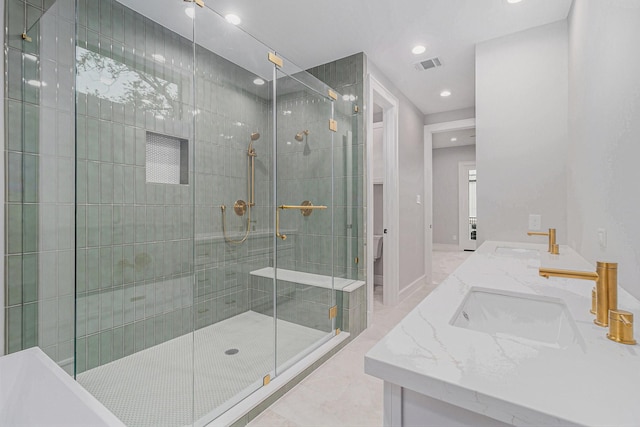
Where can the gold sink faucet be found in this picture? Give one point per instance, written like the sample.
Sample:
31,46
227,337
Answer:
553,247
606,278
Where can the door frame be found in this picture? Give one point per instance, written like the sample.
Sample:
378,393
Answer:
380,95
429,130
465,244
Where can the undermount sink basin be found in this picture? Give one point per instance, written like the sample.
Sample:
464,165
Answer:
543,320
518,252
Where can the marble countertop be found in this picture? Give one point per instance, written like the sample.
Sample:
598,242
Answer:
593,383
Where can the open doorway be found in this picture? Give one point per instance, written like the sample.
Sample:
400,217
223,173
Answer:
378,202
467,213
386,113
449,143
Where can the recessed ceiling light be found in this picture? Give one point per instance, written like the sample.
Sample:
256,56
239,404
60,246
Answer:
190,12
233,19
158,57
513,1
445,93
417,50
454,139
258,81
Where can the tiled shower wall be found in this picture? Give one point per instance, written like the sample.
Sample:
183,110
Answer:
347,76
39,186
136,242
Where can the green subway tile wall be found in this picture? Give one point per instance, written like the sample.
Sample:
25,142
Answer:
99,258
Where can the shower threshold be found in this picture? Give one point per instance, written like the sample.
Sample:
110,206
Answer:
171,385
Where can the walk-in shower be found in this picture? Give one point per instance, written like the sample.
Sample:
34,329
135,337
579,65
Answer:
121,264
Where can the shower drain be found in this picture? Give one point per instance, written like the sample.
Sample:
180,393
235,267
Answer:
231,351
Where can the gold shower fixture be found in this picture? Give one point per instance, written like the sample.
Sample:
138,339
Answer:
240,207
300,135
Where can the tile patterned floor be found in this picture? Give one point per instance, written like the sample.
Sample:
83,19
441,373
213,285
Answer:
339,393
154,387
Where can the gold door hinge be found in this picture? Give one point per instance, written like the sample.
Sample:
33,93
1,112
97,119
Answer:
356,260
26,38
266,380
333,312
273,58
332,95
198,2
333,125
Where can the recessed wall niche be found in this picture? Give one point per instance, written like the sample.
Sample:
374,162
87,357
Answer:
167,159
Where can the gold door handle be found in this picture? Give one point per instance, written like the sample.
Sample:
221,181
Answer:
282,236
306,207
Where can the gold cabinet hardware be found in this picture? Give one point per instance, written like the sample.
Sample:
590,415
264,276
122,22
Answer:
273,58
621,327
333,312
606,278
266,380
333,125
356,260
332,95
355,109
337,331
26,38
552,239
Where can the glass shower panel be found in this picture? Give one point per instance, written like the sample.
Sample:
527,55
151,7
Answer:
134,196
234,327
304,215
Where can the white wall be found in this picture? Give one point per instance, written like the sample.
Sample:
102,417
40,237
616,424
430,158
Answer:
522,132
2,284
411,183
604,123
378,152
445,191
450,116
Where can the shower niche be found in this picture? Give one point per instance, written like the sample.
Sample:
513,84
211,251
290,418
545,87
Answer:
167,159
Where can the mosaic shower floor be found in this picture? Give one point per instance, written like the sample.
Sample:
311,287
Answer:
155,387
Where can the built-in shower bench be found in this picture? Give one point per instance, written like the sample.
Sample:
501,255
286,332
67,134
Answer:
304,298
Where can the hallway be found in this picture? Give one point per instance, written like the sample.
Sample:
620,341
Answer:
339,393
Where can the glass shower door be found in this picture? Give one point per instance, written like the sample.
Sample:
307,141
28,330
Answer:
304,218
233,317
135,209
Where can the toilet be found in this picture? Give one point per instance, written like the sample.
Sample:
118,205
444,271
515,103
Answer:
377,247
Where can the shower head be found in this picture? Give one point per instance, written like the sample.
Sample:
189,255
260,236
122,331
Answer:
300,135
255,136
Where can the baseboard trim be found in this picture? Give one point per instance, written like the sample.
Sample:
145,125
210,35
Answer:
408,290
445,247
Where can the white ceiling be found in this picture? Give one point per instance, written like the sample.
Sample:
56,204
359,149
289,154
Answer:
462,137
310,33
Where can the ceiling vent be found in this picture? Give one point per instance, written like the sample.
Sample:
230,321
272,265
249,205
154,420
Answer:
428,63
